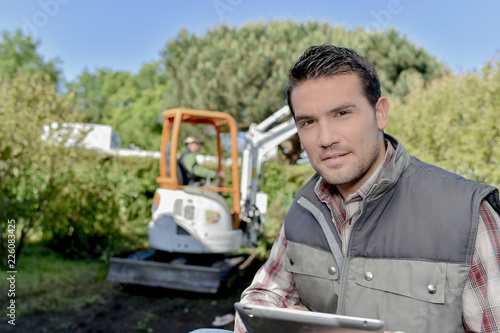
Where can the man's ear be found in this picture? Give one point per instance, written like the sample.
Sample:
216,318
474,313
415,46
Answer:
381,112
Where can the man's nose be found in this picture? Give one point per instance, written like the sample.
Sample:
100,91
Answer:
327,136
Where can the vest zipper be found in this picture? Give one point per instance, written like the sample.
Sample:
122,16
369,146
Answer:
342,276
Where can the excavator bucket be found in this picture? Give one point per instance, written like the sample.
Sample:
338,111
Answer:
210,274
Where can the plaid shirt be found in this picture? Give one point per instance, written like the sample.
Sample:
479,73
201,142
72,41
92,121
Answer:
274,286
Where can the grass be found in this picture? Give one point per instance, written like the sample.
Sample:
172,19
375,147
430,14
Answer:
143,322
46,282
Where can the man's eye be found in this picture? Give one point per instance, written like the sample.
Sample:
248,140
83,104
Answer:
342,113
307,122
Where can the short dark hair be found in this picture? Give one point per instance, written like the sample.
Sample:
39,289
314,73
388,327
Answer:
328,60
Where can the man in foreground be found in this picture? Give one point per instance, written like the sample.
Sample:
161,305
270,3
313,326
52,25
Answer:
377,233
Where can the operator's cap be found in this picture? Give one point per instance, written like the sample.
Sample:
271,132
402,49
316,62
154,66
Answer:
191,139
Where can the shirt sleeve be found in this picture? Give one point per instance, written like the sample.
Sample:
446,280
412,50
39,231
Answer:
194,168
481,297
272,285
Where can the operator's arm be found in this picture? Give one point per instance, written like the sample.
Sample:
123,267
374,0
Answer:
272,285
194,168
481,297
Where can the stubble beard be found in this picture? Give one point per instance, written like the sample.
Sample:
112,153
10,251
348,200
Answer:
348,174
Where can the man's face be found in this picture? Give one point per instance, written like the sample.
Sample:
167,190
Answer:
339,130
195,146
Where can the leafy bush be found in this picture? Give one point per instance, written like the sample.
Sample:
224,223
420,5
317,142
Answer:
281,182
28,167
104,206
83,203
455,124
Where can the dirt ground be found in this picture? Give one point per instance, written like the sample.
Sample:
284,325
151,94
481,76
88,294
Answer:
126,308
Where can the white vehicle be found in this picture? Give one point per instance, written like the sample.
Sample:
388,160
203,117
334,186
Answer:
194,233
98,137
89,136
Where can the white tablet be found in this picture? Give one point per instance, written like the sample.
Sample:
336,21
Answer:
262,319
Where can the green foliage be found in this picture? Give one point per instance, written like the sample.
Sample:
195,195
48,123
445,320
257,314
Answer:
243,71
92,91
399,63
132,104
82,202
18,55
281,182
454,123
106,203
28,168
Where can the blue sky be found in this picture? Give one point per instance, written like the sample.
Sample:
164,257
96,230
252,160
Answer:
122,35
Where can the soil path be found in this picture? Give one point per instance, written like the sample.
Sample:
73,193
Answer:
134,309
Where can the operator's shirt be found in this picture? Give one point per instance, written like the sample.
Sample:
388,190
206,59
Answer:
197,170
274,286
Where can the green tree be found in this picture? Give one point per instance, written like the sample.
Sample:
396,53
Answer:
400,64
93,91
19,55
243,71
454,123
135,111
132,104
29,168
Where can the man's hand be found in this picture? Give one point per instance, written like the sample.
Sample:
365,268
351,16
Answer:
296,307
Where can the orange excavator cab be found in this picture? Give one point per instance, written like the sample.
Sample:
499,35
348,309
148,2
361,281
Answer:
169,169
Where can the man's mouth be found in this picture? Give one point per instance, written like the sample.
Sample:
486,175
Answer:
333,156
